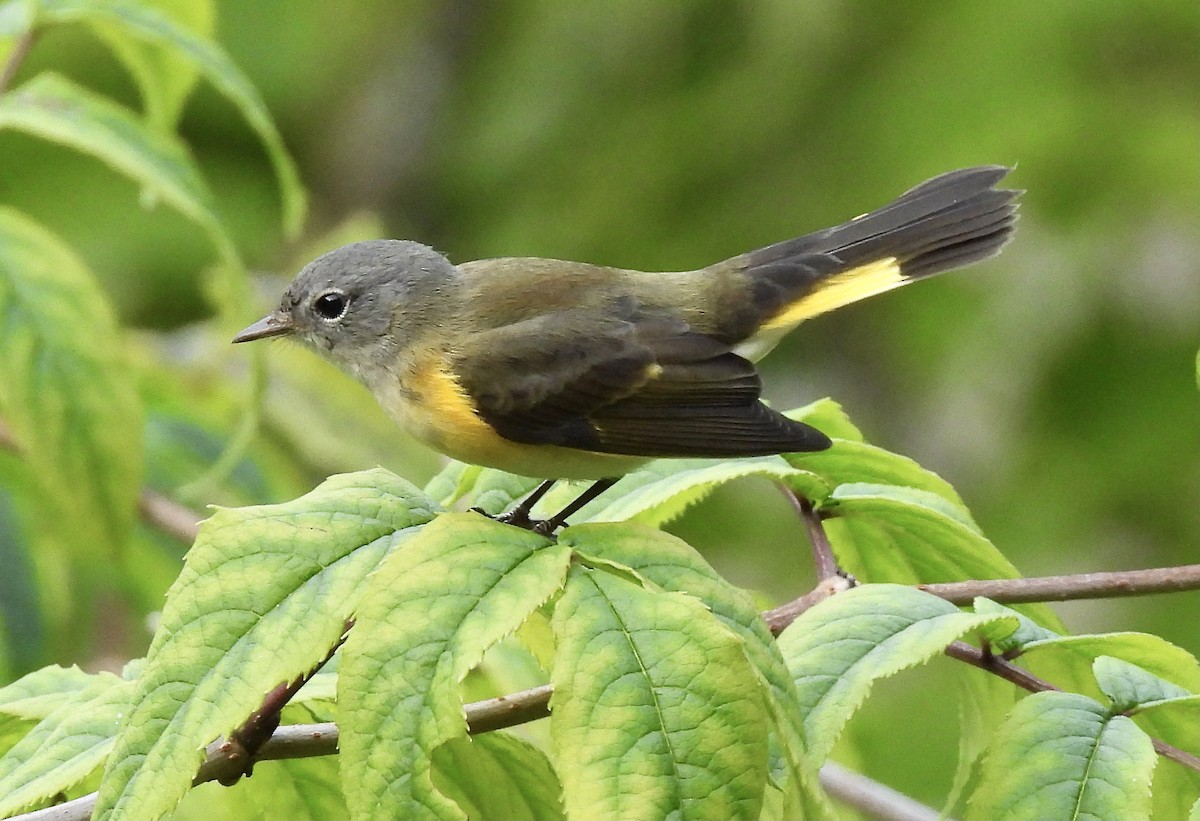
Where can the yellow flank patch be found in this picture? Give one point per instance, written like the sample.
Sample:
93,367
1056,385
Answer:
437,410
838,290
451,413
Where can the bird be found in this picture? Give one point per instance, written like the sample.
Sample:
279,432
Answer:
564,370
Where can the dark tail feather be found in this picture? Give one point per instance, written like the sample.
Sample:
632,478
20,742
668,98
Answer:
946,222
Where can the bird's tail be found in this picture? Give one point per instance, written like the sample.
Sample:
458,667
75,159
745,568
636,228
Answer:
944,223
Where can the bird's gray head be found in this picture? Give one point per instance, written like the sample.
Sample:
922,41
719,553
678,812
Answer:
362,302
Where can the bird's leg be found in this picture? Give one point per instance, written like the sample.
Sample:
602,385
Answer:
559,519
519,515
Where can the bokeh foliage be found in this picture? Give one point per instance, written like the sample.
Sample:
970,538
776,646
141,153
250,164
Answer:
1053,387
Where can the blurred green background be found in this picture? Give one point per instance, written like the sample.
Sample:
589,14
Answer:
1055,387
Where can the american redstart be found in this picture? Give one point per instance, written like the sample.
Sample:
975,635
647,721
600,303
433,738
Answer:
565,370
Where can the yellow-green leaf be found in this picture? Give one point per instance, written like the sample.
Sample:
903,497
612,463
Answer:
264,594
151,26
429,615
67,392
656,710
55,108
1063,756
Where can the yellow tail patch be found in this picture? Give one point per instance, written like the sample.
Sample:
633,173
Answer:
838,290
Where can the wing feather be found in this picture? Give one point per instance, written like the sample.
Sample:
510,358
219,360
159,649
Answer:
624,383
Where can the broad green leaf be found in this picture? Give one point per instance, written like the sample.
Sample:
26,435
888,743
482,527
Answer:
37,694
662,490
1064,756
1067,660
1165,711
428,616
828,417
151,26
836,650
497,775
164,78
850,462
296,789
1194,813
70,742
488,489
67,392
55,108
983,702
883,533
673,565
1129,686
263,595
656,710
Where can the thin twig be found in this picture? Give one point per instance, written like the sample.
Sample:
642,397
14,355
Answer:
780,617
167,515
823,559
872,798
1076,586
15,58
999,666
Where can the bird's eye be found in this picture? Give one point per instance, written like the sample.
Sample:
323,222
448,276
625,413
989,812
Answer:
331,305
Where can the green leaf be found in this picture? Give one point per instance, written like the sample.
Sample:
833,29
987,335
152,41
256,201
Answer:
497,775
429,614
1129,686
983,702
671,564
488,489
836,650
662,490
1067,660
54,108
1062,755
882,533
264,594
70,742
655,707
1165,711
147,24
67,391
164,78
828,417
295,789
1194,813
37,694
849,462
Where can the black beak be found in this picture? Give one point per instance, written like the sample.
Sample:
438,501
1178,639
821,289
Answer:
276,324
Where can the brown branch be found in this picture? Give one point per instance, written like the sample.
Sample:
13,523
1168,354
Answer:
823,559
1076,586
20,51
231,758
168,516
783,615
